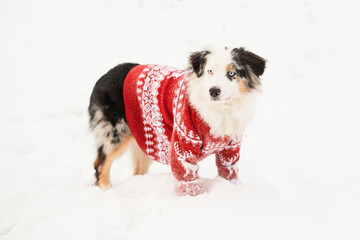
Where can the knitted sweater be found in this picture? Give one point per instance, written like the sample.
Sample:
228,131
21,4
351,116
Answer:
168,129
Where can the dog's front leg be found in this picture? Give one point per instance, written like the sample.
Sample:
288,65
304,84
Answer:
185,170
226,162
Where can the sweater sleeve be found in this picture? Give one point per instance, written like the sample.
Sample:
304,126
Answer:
227,159
185,154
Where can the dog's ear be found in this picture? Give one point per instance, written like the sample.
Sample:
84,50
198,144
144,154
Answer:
197,61
256,62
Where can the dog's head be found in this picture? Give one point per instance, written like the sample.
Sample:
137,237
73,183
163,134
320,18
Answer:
224,75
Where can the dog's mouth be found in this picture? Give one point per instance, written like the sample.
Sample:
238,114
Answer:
221,101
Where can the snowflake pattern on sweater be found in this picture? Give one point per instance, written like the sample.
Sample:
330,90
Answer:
168,129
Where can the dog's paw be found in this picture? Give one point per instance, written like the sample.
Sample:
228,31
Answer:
192,188
104,184
235,181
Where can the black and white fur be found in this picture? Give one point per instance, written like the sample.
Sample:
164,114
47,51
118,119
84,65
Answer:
222,87
229,112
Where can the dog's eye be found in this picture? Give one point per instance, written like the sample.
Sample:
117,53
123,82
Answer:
231,73
210,71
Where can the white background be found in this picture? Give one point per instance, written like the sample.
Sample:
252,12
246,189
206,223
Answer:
300,160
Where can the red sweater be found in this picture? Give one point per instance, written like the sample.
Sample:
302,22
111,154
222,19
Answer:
168,129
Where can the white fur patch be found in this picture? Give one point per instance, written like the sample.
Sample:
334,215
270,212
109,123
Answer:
103,131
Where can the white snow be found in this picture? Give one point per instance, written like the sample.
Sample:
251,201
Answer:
300,160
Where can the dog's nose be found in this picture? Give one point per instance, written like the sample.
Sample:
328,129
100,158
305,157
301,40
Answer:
214,92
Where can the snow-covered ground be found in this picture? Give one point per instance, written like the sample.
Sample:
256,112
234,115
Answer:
300,160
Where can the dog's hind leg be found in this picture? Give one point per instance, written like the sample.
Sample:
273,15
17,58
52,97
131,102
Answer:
103,179
99,162
112,139
140,160
103,162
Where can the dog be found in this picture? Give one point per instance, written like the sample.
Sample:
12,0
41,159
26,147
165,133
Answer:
176,117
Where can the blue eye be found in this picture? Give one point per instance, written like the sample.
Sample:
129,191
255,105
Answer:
231,73
210,71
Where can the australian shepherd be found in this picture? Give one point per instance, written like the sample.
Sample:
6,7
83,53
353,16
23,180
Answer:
176,117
